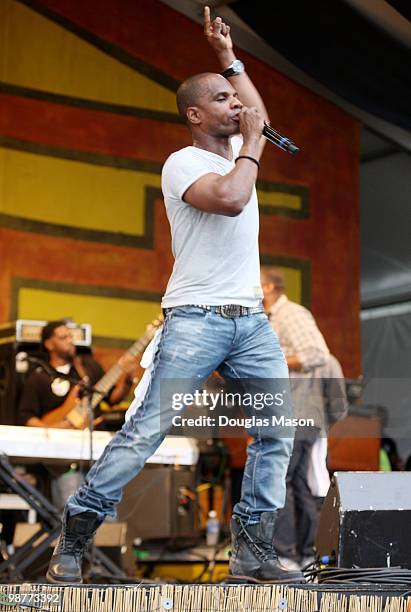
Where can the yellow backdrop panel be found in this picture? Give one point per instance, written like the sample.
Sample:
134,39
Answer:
109,317
39,54
85,195
73,193
277,198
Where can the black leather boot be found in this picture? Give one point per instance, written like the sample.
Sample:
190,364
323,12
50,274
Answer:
253,557
77,532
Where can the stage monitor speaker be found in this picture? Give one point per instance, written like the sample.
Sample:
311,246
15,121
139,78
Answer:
365,520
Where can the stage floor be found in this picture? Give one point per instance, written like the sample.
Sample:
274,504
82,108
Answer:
205,597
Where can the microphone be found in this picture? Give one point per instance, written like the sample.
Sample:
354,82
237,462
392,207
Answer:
280,141
23,360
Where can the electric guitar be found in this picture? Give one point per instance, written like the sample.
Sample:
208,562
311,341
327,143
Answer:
76,410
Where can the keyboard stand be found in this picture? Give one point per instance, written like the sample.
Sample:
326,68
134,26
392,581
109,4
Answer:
12,569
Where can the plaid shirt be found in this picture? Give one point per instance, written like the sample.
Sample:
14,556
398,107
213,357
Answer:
333,389
298,334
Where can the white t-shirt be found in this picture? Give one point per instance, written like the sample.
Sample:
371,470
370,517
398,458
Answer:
216,257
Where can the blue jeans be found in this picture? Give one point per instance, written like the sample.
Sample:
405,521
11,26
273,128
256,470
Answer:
194,343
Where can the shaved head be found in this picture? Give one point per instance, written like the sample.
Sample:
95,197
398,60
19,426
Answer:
210,105
191,90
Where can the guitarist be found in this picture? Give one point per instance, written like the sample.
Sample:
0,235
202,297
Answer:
47,401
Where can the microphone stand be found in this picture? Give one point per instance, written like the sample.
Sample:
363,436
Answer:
88,392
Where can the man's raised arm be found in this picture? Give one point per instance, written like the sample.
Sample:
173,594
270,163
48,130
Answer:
218,35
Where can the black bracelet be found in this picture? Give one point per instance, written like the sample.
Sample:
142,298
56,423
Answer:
248,157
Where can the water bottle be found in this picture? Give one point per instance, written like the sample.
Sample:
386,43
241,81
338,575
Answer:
213,529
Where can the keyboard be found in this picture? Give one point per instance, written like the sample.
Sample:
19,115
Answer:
51,445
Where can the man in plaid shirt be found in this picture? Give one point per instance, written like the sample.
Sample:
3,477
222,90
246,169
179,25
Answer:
305,350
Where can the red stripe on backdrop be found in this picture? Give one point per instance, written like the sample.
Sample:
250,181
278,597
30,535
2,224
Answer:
145,139
88,130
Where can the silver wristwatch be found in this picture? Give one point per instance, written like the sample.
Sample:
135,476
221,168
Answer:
236,67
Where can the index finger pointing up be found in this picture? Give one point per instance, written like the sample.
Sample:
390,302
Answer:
207,20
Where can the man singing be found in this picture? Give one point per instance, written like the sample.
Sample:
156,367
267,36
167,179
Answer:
214,318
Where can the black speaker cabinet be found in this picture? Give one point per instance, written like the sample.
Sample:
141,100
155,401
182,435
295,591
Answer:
155,505
365,520
12,380
8,384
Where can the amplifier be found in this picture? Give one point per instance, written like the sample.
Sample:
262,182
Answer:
28,330
9,384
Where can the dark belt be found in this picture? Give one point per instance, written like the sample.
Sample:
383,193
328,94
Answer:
230,311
